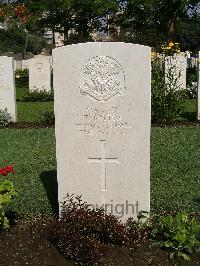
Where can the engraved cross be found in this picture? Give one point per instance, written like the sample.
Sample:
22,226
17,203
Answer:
103,160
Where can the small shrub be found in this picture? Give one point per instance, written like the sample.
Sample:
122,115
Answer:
139,230
82,233
7,191
38,96
178,233
5,118
192,90
22,73
49,118
167,97
192,82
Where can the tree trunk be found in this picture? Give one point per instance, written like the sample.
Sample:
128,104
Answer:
66,36
170,29
54,41
26,44
174,6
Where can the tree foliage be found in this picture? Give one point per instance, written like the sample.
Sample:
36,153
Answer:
149,22
81,17
160,20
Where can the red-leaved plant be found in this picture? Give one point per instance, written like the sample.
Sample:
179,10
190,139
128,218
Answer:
7,191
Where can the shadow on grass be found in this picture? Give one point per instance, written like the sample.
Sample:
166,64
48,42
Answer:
196,201
189,116
49,181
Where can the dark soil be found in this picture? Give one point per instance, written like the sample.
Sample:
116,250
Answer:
27,244
178,124
26,125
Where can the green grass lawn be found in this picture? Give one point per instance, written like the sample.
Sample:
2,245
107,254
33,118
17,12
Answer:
32,153
29,111
32,112
191,105
175,168
22,87
190,112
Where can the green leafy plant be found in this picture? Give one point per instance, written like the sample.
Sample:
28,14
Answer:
192,82
5,118
167,97
178,233
7,192
22,73
39,96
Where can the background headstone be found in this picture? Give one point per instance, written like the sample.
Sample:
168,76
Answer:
25,64
179,64
7,86
17,65
40,74
102,108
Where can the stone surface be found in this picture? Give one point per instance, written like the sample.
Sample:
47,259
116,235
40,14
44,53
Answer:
17,65
7,86
102,108
40,73
179,64
25,64
198,85
192,62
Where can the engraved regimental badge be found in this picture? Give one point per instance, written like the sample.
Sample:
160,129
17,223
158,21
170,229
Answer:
102,78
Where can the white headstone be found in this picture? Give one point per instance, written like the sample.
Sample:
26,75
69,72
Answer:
188,55
198,85
59,39
25,64
178,64
102,108
17,65
40,74
7,86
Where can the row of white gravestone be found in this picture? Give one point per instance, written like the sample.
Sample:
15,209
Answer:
7,86
40,68
40,74
25,64
40,79
176,67
192,62
103,117
40,71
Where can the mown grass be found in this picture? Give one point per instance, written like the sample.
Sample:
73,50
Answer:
22,87
32,153
175,168
33,111
190,111
191,105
